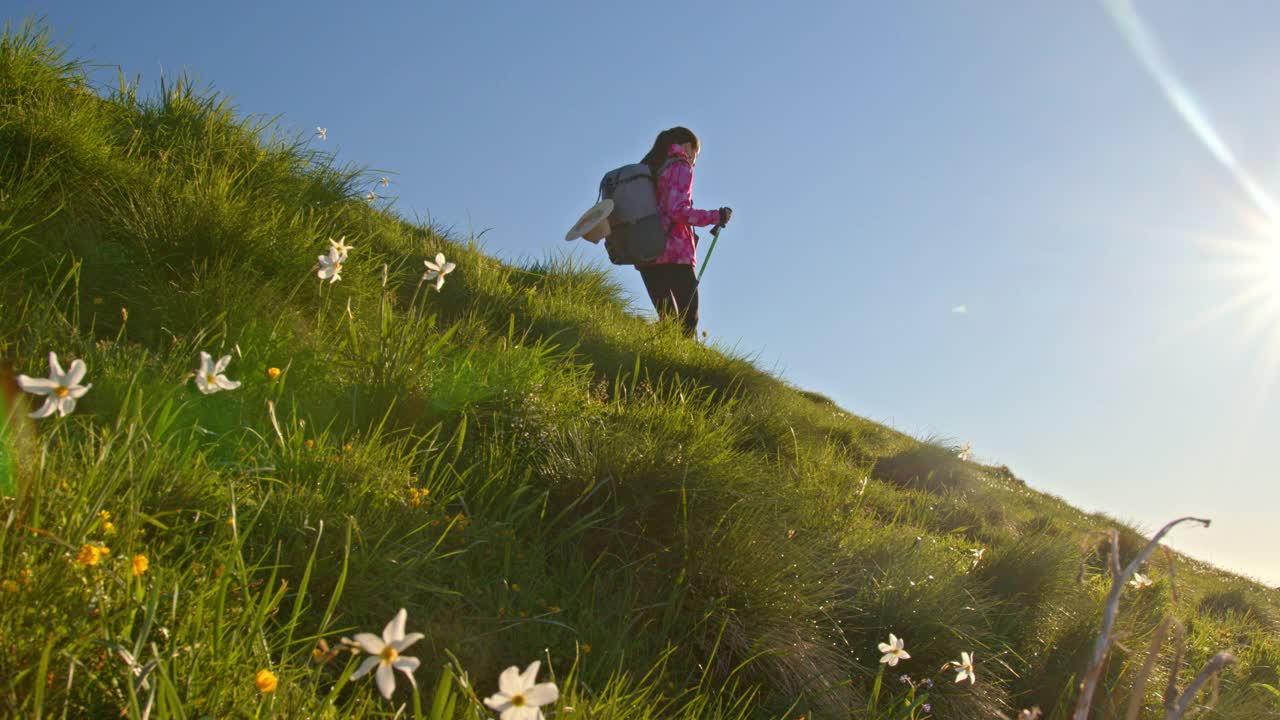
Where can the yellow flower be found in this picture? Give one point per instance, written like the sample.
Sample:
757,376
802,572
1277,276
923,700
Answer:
311,443
104,516
25,576
91,555
140,564
109,528
273,373
515,587
9,586
266,681
586,648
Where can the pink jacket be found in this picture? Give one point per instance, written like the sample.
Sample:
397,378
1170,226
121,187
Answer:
675,205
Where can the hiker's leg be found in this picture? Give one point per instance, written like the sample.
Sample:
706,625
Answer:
685,282
657,283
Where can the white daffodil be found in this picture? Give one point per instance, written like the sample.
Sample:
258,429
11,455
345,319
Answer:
964,452
1140,582
341,246
371,196
965,668
60,389
518,698
437,270
384,181
322,133
385,654
209,377
331,266
893,651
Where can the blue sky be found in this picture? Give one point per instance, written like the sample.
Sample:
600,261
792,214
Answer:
887,164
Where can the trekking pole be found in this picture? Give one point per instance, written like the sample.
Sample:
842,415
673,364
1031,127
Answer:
715,235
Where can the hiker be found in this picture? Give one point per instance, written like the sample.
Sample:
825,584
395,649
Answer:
670,280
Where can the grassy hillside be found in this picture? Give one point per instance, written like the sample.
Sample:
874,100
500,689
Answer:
527,468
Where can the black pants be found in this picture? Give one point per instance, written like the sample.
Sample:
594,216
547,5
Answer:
674,291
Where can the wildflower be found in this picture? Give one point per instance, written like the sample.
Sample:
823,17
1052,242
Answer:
977,554
330,266
209,378
10,586
1140,582
384,181
91,554
385,654
109,528
322,654
139,564
904,679
25,576
927,707
965,668
371,196
518,698
310,443
893,651
266,681
341,246
104,516
586,648
322,133
964,452
1032,714
437,270
61,389
273,373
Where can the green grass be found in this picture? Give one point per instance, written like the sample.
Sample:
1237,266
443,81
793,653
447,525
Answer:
518,460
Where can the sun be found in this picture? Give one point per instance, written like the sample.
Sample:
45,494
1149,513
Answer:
1249,260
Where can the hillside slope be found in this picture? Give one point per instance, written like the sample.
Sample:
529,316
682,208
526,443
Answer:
529,469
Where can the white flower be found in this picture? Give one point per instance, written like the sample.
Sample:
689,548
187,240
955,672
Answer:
385,181
977,554
209,377
965,668
437,270
341,246
371,196
322,133
61,389
1140,582
518,698
964,452
385,654
893,651
331,265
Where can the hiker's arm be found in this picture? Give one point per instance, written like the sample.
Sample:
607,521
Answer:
677,201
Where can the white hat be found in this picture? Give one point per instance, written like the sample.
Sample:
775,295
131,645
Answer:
594,223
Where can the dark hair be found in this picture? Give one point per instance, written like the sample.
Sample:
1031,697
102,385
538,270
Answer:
671,136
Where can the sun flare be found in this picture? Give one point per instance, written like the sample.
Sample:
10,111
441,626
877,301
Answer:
1250,261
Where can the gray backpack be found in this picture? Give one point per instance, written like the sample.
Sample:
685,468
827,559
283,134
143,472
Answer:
636,234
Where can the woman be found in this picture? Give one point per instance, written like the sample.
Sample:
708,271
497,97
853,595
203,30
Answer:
670,280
